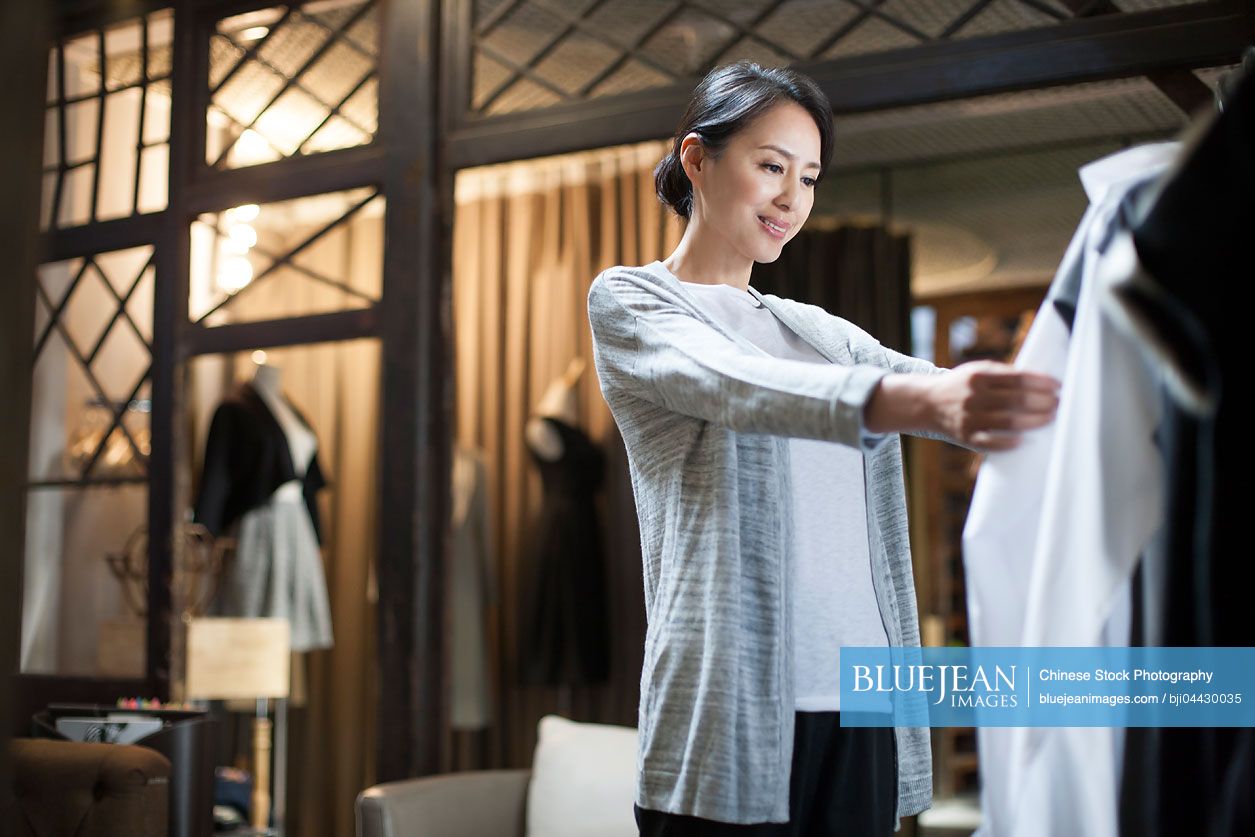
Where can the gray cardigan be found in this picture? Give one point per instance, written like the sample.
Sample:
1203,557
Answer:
705,416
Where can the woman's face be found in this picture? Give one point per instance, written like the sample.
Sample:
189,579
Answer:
753,183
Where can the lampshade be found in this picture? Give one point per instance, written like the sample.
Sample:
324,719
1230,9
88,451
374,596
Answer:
238,658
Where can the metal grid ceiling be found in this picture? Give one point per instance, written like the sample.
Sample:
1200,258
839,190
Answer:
288,81
989,186
530,54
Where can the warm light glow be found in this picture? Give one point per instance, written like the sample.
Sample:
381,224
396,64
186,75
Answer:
243,213
254,33
235,274
251,146
259,357
243,235
231,247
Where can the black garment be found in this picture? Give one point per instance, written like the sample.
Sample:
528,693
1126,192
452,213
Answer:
247,458
565,638
843,783
1196,243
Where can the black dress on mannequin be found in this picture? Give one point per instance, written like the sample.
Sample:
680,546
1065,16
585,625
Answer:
564,634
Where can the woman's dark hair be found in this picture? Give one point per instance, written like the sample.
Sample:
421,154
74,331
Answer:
729,98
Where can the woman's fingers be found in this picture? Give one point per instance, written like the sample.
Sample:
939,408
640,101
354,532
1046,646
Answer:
1010,399
1003,376
993,402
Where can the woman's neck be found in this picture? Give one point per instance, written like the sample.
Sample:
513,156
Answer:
706,260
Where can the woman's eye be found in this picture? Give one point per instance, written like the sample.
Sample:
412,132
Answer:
809,181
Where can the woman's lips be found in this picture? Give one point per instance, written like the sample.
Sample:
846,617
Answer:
774,233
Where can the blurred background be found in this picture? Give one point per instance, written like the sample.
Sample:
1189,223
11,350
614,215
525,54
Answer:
389,212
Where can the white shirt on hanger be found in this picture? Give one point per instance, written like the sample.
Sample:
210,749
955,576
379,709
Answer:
1057,525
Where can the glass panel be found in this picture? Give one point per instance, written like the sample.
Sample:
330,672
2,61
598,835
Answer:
82,65
83,587
80,131
309,255
89,410
154,179
52,139
76,193
118,158
81,139
285,82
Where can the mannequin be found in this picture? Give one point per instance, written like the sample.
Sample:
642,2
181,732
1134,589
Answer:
557,402
564,633
301,440
260,478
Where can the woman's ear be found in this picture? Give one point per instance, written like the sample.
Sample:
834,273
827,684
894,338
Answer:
692,155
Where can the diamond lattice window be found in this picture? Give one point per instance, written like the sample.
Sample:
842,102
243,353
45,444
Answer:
93,360
289,81
310,255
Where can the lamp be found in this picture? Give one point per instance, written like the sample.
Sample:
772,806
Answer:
230,658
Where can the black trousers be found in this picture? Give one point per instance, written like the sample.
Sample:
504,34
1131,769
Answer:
843,783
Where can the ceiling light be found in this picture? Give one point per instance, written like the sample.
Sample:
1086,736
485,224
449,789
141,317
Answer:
235,274
245,212
243,235
251,147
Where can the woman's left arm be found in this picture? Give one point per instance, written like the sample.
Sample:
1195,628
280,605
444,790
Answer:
982,405
906,364
863,344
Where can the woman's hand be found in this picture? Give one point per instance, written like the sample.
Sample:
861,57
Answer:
985,404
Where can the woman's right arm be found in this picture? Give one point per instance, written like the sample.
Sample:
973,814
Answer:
651,347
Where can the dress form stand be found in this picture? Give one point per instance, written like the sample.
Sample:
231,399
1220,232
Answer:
559,403
267,381
471,590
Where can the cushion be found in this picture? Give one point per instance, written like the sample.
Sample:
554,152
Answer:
583,780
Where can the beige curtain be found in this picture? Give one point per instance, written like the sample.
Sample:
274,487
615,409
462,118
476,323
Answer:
332,720
331,751
529,238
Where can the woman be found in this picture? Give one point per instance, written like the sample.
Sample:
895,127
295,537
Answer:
762,442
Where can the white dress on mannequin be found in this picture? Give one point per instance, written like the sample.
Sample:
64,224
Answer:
278,569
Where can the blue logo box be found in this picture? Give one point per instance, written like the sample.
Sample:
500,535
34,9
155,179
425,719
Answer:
1047,687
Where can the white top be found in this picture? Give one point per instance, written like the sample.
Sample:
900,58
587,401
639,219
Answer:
834,602
302,442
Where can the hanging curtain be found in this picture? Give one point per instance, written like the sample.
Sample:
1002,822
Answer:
529,238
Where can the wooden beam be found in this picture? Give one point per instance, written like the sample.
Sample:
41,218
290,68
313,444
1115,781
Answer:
290,331
1185,89
77,16
100,236
416,435
290,177
25,31
1075,51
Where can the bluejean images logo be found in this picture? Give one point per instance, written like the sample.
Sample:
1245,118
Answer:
961,685
1044,687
